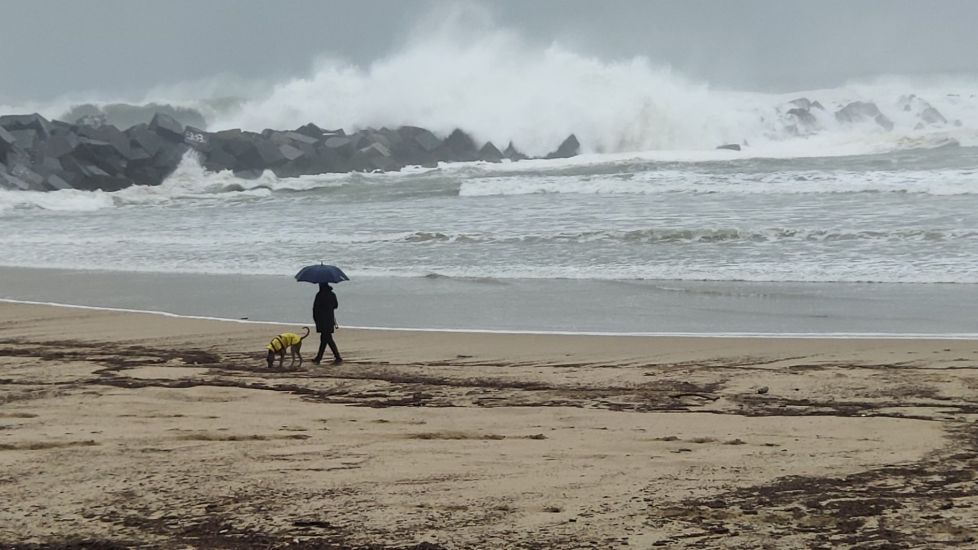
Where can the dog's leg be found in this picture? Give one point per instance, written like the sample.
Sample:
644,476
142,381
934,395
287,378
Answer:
298,353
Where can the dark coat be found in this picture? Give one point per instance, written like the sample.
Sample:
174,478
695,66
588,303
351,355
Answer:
323,310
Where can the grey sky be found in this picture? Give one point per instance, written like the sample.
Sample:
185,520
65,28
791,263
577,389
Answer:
49,48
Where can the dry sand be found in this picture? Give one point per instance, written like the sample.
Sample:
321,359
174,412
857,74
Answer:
127,429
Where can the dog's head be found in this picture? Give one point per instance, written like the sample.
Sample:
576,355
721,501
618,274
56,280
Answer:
273,349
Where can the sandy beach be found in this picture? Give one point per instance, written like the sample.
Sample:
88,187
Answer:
128,429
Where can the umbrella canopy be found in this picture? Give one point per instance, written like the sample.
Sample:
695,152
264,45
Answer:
320,274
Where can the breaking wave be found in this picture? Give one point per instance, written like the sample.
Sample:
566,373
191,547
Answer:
664,236
66,200
683,236
931,182
493,84
462,70
594,176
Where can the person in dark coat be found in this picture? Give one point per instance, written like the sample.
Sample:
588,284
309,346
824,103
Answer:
324,313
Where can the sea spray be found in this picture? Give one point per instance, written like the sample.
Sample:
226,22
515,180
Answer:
461,70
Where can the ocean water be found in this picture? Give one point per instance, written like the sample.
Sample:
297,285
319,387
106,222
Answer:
858,245
898,217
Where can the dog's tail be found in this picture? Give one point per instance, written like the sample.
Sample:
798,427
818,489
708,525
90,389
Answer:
303,337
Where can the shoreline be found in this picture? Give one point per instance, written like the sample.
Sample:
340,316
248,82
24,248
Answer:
167,431
721,335
529,306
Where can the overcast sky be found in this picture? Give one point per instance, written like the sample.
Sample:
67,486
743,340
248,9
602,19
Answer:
50,48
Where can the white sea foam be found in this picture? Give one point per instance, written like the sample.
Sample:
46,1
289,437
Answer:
66,200
597,174
932,182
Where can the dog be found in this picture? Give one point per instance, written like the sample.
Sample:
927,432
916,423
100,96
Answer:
278,345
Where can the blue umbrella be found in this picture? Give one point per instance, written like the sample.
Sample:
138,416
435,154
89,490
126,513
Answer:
320,274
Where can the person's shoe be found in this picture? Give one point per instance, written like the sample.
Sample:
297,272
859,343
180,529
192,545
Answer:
316,361
337,361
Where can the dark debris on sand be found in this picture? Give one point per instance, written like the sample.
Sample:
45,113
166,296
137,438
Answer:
929,504
215,533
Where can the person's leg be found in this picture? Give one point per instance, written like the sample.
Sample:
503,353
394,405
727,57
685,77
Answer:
323,338
332,348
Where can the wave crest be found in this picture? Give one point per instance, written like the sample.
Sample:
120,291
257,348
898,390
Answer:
668,236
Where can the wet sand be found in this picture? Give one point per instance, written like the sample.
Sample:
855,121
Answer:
127,429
